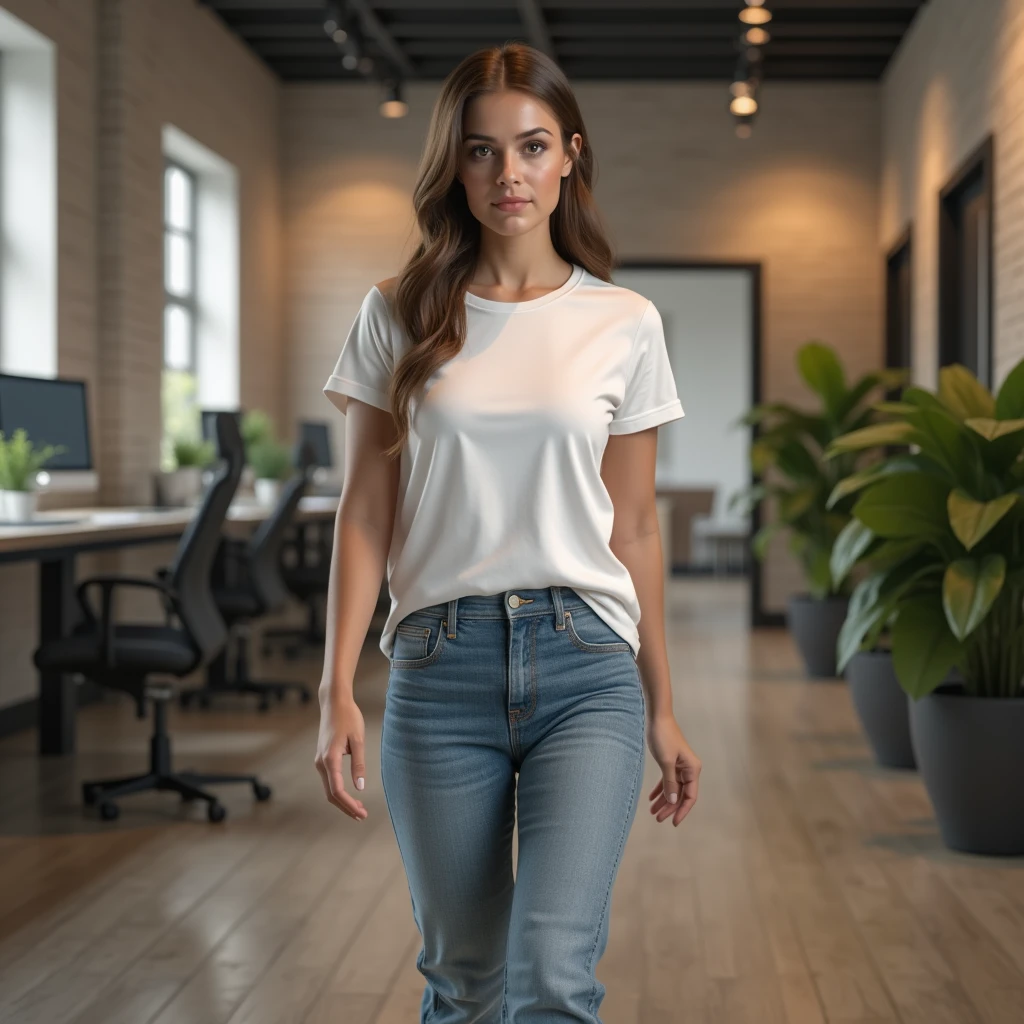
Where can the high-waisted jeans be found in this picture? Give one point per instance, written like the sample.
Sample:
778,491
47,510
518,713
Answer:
481,688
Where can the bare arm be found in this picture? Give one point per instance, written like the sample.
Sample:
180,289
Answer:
628,474
362,538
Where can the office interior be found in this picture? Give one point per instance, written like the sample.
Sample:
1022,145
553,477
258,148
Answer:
195,196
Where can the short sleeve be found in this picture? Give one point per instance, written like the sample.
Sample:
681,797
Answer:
366,362
650,398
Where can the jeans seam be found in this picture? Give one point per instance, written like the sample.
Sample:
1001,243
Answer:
611,879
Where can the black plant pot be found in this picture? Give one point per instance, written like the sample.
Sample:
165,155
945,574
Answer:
970,751
815,624
882,706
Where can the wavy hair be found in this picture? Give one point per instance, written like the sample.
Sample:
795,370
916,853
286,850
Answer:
429,291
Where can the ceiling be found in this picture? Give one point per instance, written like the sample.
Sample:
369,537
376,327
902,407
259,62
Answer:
596,40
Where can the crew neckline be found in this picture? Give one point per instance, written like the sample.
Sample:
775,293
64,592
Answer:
519,307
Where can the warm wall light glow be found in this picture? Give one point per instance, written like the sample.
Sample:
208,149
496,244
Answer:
741,89
744,131
394,108
755,16
743,105
757,36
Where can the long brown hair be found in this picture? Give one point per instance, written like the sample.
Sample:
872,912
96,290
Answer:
430,289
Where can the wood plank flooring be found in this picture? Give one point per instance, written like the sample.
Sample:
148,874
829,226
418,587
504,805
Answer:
807,887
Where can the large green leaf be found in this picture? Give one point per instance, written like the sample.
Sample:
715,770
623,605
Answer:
969,589
950,444
854,539
923,648
887,467
823,372
972,520
963,394
896,432
892,552
992,429
797,462
793,504
905,505
1010,400
759,545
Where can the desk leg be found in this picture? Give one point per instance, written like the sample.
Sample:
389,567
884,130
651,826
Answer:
57,697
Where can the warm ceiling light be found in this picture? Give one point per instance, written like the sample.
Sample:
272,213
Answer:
340,35
755,3
755,16
743,106
757,36
744,131
742,89
393,105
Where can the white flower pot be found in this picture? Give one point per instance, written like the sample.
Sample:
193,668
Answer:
180,487
18,506
267,491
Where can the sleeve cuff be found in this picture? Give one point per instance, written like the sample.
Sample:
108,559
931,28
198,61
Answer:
652,418
340,389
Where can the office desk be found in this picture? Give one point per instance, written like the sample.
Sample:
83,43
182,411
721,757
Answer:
61,535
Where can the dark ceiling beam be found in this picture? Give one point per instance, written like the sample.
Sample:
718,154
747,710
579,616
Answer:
853,8
230,6
536,27
374,27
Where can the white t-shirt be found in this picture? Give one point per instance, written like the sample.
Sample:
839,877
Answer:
500,480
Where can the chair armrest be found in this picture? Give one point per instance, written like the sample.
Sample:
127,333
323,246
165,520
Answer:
105,621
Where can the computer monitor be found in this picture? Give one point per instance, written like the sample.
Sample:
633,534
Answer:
51,411
318,435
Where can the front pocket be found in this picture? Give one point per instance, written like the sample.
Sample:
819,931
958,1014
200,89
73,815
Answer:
592,624
417,646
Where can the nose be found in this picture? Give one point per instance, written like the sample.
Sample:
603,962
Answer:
509,170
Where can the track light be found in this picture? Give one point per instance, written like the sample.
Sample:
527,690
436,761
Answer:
393,105
755,16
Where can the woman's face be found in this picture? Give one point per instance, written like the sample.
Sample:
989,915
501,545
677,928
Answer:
512,146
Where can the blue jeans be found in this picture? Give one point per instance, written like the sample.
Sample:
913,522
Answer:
481,688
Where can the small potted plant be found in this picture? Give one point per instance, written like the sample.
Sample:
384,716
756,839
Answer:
20,461
952,519
271,463
182,485
789,447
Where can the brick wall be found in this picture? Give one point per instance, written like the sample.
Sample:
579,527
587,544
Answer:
958,76
125,68
801,196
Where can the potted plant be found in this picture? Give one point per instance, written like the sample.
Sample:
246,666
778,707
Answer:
271,463
951,518
20,461
256,427
182,485
790,445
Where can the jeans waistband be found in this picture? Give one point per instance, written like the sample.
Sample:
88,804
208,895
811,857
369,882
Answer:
509,604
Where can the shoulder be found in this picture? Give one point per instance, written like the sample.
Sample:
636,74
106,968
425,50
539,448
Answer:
617,298
387,287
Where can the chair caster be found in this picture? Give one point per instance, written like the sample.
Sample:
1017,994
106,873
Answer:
89,794
261,792
264,704
109,811
216,812
184,699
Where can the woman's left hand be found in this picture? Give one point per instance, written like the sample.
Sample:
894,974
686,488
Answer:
680,769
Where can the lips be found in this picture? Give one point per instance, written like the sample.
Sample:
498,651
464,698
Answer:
511,203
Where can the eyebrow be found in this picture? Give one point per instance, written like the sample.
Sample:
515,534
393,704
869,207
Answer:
491,138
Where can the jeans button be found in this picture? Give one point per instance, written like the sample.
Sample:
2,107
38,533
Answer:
514,601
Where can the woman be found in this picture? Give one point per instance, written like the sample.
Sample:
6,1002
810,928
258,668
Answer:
522,391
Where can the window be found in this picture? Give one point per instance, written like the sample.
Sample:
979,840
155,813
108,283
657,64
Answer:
181,362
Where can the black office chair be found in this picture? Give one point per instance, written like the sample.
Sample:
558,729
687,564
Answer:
123,656
306,570
251,586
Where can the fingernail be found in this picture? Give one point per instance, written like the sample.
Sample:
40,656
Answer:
360,783
673,797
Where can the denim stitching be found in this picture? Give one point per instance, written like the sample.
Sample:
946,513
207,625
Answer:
438,650
586,645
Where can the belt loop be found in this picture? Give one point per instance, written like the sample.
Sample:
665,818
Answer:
556,599
453,605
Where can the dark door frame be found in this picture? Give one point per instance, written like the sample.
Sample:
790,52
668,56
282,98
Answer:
981,161
758,615
902,247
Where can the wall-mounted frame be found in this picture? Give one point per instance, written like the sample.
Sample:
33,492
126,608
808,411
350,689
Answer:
966,264
759,616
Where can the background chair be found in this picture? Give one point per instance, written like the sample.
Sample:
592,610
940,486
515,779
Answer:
250,585
123,656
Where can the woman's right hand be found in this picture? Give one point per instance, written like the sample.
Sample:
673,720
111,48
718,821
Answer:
341,732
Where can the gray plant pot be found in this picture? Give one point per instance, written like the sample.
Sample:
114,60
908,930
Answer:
970,751
815,624
882,706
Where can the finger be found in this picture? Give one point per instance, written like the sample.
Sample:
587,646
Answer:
358,766
670,784
344,801
656,791
689,799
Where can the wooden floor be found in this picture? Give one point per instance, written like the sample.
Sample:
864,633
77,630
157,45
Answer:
808,886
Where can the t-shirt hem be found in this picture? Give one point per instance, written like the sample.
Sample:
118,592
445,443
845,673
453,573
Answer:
343,386
652,418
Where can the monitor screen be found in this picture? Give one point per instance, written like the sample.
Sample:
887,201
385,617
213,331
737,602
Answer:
317,433
51,412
